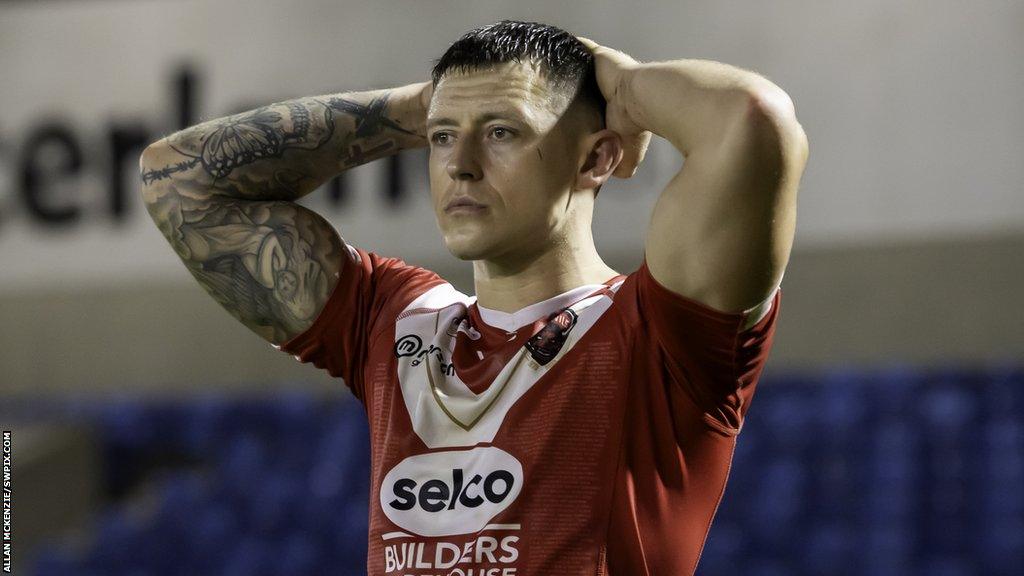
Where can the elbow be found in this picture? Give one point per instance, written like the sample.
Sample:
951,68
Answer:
151,162
767,99
151,154
153,159
772,113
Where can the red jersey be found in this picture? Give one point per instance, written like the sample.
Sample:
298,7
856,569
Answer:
588,434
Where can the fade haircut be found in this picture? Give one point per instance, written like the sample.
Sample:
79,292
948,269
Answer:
565,62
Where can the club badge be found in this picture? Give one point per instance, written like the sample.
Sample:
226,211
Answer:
545,344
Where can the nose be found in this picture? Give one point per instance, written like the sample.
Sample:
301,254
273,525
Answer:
463,163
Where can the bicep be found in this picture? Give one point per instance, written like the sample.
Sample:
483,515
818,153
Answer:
271,264
722,230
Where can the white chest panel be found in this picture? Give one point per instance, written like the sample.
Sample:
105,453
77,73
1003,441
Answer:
443,410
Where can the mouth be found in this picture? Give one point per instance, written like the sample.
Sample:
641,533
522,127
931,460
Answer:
464,205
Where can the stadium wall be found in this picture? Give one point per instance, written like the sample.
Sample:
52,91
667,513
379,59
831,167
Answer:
910,224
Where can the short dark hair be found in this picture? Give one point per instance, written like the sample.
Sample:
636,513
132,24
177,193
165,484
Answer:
565,62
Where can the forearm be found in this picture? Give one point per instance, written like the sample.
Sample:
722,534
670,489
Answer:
692,103
287,149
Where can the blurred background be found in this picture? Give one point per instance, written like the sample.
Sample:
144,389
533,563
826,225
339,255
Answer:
152,434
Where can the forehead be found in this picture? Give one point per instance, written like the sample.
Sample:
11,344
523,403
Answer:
507,89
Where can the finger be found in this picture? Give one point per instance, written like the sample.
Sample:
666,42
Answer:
627,167
645,141
634,150
617,56
426,94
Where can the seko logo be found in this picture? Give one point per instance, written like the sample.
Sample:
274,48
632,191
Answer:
451,492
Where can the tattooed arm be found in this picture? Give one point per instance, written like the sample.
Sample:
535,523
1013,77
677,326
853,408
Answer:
222,193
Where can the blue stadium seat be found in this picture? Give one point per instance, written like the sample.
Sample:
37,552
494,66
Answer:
948,411
788,421
726,540
205,423
298,556
947,566
830,548
999,545
769,567
214,529
893,390
1003,391
890,472
251,556
54,560
842,405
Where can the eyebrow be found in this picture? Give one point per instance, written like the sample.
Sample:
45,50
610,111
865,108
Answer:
514,116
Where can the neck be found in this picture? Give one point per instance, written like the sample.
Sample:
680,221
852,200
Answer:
509,285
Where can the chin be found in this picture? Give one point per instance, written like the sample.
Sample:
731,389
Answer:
468,248
467,253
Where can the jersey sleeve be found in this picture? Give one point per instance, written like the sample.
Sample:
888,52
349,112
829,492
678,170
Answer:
715,356
371,291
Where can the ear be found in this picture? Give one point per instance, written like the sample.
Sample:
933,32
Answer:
603,151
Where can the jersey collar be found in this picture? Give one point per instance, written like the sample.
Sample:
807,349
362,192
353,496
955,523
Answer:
513,321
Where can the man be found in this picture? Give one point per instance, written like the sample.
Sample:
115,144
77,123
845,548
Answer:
568,419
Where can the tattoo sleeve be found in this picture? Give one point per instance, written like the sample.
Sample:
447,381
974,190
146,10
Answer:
223,193
271,264
287,149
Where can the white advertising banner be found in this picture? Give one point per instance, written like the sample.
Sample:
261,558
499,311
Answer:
909,113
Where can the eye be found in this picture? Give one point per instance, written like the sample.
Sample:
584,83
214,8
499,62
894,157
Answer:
501,133
440,138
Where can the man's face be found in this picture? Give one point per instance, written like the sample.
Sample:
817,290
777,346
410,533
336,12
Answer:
502,140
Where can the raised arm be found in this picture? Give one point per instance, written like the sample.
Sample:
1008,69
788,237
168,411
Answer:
222,193
722,230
